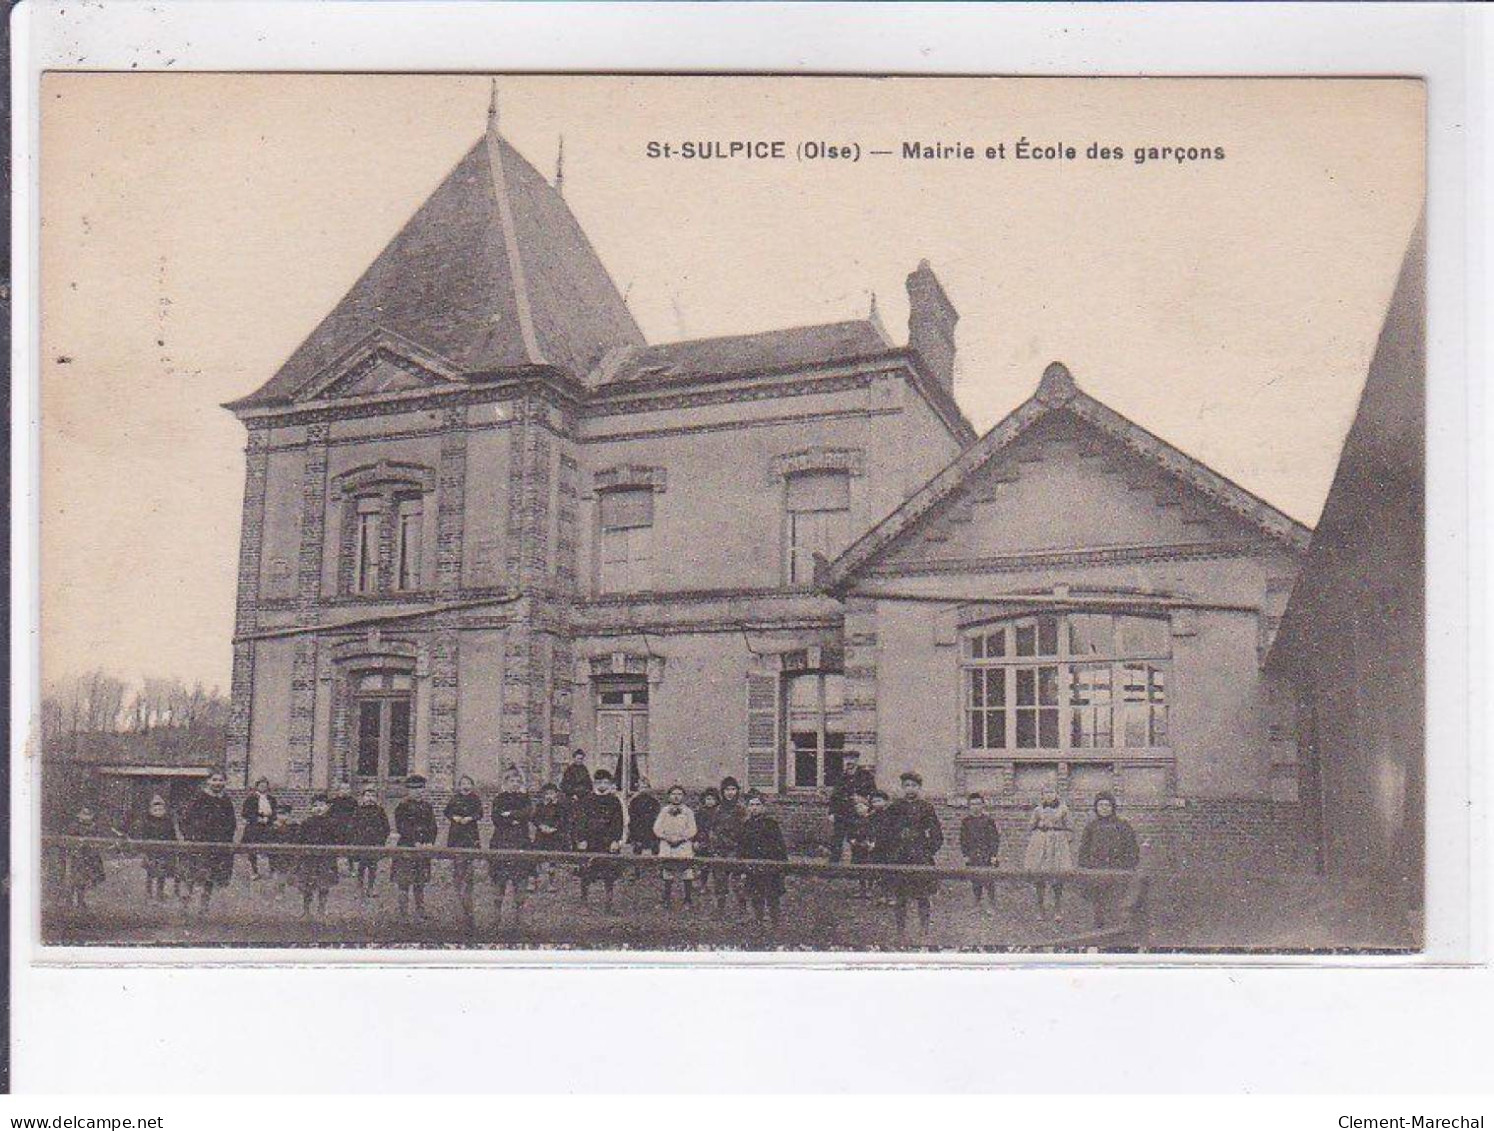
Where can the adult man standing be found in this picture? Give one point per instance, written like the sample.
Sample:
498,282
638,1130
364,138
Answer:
209,818
855,781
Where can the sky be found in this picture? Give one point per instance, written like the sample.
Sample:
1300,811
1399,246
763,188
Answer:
195,228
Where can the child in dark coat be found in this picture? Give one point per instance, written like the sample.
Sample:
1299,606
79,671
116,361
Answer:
415,822
160,863
1108,842
285,830
511,813
879,835
858,836
726,837
601,829
980,841
369,825
551,830
85,864
210,817
316,873
463,814
643,811
762,839
917,837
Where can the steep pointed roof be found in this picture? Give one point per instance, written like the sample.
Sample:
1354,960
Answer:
492,272
1057,392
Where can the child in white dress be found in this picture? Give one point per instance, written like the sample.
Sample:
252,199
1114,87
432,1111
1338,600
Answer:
1048,848
676,829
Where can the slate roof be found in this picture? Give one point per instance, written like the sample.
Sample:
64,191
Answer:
742,354
1057,392
492,272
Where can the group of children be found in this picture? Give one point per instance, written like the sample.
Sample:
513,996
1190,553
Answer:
586,814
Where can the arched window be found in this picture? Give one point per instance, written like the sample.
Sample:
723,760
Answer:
1067,681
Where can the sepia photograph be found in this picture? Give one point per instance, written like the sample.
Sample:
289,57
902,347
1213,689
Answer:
745,515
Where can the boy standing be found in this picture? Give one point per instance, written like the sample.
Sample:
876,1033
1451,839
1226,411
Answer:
511,810
603,826
916,838
980,841
463,813
675,831
762,839
415,822
551,830
317,872
160,864
370,826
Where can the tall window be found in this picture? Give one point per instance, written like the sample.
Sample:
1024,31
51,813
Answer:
366,547
1079,681
410,516
816,729
621,706
383,716
626,552
819,521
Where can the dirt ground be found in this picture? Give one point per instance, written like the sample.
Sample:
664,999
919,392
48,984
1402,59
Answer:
1231,913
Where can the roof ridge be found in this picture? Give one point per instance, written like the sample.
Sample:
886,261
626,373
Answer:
514,253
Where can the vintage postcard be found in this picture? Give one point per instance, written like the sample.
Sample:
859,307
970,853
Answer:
732,514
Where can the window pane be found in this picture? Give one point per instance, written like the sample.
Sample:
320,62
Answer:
819,491
1047,636
1026,728
977,683
835,693
399,737
977,730
1026,687
408,550
996,643
1048,686
976,645
1089,696
366,567
1048,727
996,729
368,738
996,687
1091,634
806,758
835,746
623,510
401,682
1026,640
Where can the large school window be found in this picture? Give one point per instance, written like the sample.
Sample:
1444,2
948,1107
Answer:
1076,681
819,521
410,516
626,541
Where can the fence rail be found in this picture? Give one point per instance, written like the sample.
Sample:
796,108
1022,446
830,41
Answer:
1131,887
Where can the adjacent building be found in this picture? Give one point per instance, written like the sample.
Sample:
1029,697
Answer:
486,523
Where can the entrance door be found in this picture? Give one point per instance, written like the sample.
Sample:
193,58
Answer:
383,718
622,726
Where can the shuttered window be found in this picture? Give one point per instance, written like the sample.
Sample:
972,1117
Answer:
819,521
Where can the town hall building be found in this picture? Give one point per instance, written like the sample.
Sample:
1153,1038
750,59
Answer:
486,523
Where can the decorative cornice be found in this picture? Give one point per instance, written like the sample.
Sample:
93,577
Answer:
379,346
358,480
1090,556
629,477
852,461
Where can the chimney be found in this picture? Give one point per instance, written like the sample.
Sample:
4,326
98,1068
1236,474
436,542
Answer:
931,324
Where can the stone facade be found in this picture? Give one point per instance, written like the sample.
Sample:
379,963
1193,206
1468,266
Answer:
735,556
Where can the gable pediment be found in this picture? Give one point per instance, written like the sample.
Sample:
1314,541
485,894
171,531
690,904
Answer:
1064,477
381,365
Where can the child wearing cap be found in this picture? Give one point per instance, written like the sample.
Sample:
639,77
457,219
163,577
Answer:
551,830
879,838
980,841
415,822
762,839
316,873
917,838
